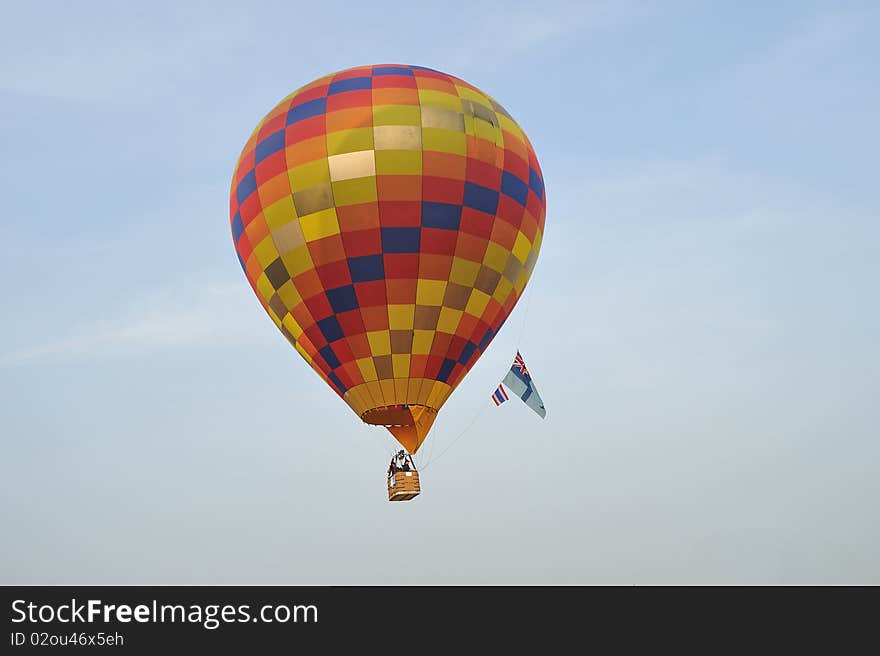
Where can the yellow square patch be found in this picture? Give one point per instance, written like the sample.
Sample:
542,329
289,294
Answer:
396,115
464,272
521,247
434,98
367,368
502,290
477,303
448,321
289,295
355,191
349,141
401,317
430,292
400,365
266,252
422,340
309,175
265,287
398,162
444,141
298,261
380,342
279,213
496,257
320,224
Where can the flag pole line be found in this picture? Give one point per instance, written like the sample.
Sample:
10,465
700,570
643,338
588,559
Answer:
457,437
482,409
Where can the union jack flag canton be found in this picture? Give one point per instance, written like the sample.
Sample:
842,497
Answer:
519,381
519,364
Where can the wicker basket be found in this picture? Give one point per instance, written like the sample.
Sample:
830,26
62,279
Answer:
403,486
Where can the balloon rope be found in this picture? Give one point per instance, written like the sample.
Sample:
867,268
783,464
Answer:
486,405
459,436
384,449
522,328
431,452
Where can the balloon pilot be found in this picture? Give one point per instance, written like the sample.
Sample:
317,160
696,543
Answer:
400,461
403,477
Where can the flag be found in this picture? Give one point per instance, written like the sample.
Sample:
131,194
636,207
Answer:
519,381
499,396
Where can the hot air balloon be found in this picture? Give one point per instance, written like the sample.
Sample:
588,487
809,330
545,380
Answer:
388,218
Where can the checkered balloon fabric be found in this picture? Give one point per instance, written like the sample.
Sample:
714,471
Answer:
388,219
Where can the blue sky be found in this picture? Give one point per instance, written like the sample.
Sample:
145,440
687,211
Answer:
702,322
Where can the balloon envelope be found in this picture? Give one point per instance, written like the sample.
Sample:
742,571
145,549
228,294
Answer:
388,218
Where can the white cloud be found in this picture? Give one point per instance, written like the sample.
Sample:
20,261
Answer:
209,315
501,34
118,57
